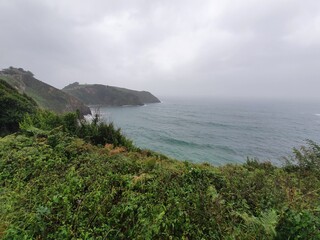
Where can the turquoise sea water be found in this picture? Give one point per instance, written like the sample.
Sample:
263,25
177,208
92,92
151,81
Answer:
219,131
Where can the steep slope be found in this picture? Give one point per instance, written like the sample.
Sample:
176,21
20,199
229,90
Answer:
97,94
46,96
13,106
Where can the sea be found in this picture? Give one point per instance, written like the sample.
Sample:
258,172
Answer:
219,131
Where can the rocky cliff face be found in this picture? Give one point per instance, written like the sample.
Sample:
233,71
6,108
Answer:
46,96
97,94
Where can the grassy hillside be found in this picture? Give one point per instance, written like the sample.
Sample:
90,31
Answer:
97,94
46,96
65,179
13,107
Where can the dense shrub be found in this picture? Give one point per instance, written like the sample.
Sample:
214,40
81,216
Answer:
57,186
94,131
13,106
305,160
302,225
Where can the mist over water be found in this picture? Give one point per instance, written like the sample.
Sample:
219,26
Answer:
219,131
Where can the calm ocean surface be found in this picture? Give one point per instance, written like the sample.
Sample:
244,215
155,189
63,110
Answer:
218,131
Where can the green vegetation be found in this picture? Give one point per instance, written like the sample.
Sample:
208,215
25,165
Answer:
59,184
46,96
97,94
62,177
13,107
94,132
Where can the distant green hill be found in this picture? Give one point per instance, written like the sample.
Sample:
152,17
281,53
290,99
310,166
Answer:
46,96
97,94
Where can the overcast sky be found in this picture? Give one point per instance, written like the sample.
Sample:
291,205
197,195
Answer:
217,48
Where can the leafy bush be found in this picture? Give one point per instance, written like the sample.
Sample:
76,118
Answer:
305,160
299,225
13,107
57,186
95,131
42,119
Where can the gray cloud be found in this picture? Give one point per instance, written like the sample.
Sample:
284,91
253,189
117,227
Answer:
247,48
